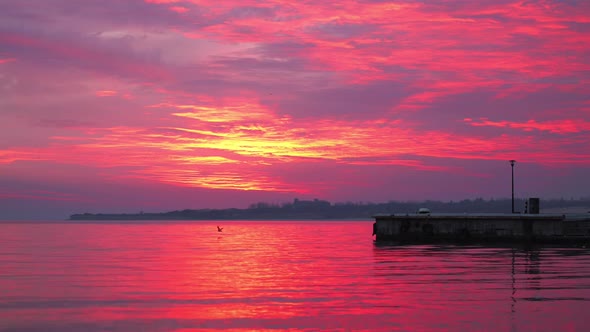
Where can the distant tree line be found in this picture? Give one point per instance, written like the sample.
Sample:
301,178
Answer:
320,209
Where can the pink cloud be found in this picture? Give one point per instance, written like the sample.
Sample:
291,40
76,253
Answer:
162,1
2,61
106,93
179,9
40,195
568,126
255,96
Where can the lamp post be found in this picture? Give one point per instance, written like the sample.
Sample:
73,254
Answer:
512,162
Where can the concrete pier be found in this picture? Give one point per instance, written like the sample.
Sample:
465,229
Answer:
426,227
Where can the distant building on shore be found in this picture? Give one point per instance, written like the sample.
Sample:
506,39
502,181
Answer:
316,203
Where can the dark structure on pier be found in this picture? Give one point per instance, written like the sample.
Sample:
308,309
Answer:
528,227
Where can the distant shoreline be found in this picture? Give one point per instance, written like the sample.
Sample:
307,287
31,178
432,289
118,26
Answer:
324,210
171,221
109,217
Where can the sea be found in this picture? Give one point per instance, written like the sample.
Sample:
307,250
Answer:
277,276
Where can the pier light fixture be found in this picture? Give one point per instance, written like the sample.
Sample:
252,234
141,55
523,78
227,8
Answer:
512,162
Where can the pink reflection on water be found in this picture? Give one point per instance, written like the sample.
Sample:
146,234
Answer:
276,275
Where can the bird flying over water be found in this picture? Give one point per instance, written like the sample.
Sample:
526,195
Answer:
219,229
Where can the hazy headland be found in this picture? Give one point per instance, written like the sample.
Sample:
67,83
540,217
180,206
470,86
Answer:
325,210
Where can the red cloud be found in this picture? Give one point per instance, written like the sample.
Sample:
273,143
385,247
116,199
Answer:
2,61
162,1
179,9
42,195
106,93
214,124
229,145
568,126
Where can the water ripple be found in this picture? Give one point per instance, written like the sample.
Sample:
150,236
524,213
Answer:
277,275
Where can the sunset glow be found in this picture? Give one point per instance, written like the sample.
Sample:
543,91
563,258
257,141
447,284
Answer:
226,103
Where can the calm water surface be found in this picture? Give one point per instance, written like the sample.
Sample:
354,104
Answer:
263,276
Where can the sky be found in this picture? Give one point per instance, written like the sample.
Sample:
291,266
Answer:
159,105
